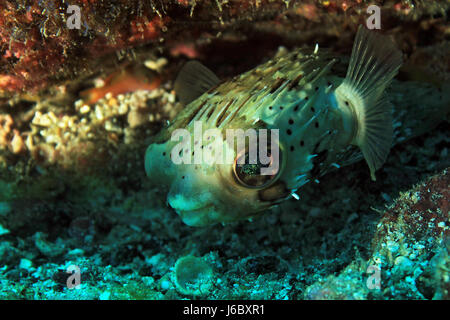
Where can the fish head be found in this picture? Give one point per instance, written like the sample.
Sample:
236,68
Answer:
214,178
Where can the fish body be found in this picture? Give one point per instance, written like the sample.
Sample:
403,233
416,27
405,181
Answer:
322,122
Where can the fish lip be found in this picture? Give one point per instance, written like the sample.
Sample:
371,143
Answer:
197,217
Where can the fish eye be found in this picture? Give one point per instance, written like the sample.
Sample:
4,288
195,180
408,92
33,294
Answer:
251,172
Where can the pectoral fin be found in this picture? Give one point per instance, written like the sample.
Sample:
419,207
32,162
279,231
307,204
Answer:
193,80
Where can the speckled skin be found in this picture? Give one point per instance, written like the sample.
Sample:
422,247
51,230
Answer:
296,93
293,93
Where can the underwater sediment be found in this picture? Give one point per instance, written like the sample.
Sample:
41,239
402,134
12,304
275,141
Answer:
78,108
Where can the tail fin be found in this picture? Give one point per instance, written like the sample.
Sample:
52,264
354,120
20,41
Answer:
374,62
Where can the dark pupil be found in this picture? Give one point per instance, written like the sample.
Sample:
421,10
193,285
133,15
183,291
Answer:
251,169
250,173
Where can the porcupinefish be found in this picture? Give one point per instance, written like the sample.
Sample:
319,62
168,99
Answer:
324,122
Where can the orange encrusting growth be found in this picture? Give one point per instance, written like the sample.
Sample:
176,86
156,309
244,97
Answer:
119,83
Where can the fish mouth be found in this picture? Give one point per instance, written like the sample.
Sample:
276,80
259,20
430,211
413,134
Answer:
203,216
195,209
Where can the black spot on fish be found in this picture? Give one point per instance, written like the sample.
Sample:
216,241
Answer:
292,148
316,124
313,110
302,143
291,121
289,131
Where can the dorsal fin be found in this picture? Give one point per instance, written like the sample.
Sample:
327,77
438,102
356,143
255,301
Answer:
193,80
374,62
